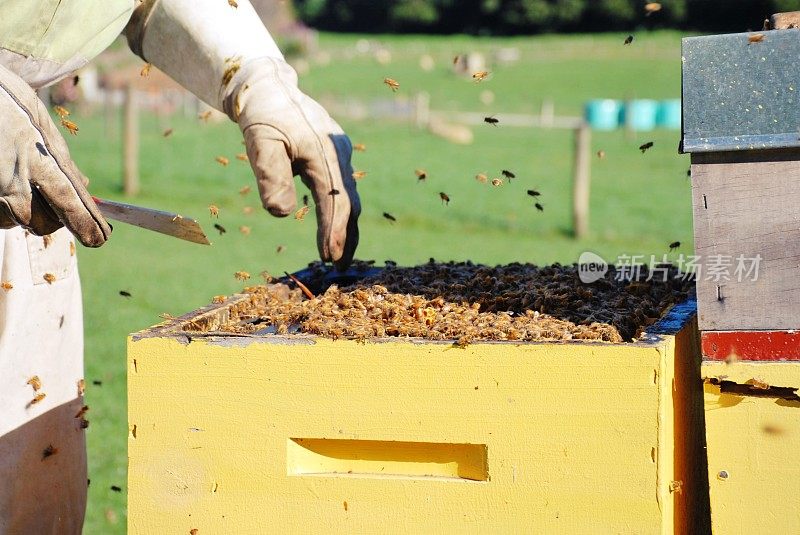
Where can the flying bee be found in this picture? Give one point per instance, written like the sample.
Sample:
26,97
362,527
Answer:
279,249
674,245
233,3
392,83
358,175
305,200
97,382
115,488
628,40
539,207
84,423
421,174
82,411
164,316
220,228
301,213
491,120
245,230
76,79
389,216
508,174
241,275
72,248
445,197
49,277
124,293
167,132
245,190
360,147
247,210
651,7
69,125
6,285
266,276
204,116
242,157
645,146
755,38
37,398
47,239
81,386
456,58
48,451
222,160
601,154
145,72
480,76
496,182
482,178
35,383
533,193
213,210
61,111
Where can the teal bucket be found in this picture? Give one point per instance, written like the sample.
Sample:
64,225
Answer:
603,114
669,114
641,114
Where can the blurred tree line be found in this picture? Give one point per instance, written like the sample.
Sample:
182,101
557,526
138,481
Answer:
534,16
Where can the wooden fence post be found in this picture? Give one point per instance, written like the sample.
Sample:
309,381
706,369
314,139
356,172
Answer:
130,144
581,180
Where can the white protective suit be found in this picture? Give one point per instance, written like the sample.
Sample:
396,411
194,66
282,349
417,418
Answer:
226,57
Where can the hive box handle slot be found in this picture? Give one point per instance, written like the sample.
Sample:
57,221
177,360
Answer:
386,458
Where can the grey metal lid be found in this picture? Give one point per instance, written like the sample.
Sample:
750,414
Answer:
741,93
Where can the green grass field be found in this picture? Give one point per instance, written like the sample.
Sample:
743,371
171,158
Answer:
639,203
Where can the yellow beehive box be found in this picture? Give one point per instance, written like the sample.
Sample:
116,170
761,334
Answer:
265,434
753,435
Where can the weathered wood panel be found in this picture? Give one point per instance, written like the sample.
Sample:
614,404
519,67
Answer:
747,204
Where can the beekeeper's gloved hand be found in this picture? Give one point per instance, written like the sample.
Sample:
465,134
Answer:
226,57
41,188
784,21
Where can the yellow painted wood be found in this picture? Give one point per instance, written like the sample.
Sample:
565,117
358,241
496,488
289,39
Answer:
753,451
578,437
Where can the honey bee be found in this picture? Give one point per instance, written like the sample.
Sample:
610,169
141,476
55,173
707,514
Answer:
301,213
124,293
167,132
266,276
247,210
628,40
37,398
116,488
651,7
217,299
47,239
49,277
230,70
445,197
82,411
97,382
61,111
482,178
533,193
244,229
480,76
508,174
35,383
497,182
392,83
146,70
222,160
48,451
280,249
676,486
69,125
491,120
305,200
389,216
421,174
6,285
539,207
84,423
755,38
233,3
81,387
674,245
358,175
758,384
456,58
194,531
72,248
204,116
242,157
245,190
360,147
601,154
220,228
166,316
344,503
213,209
645,146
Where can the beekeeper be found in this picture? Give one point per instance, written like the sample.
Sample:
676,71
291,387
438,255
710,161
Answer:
221,52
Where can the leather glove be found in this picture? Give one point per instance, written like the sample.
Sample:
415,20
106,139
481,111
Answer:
784,21
225,56
41,188
287,133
